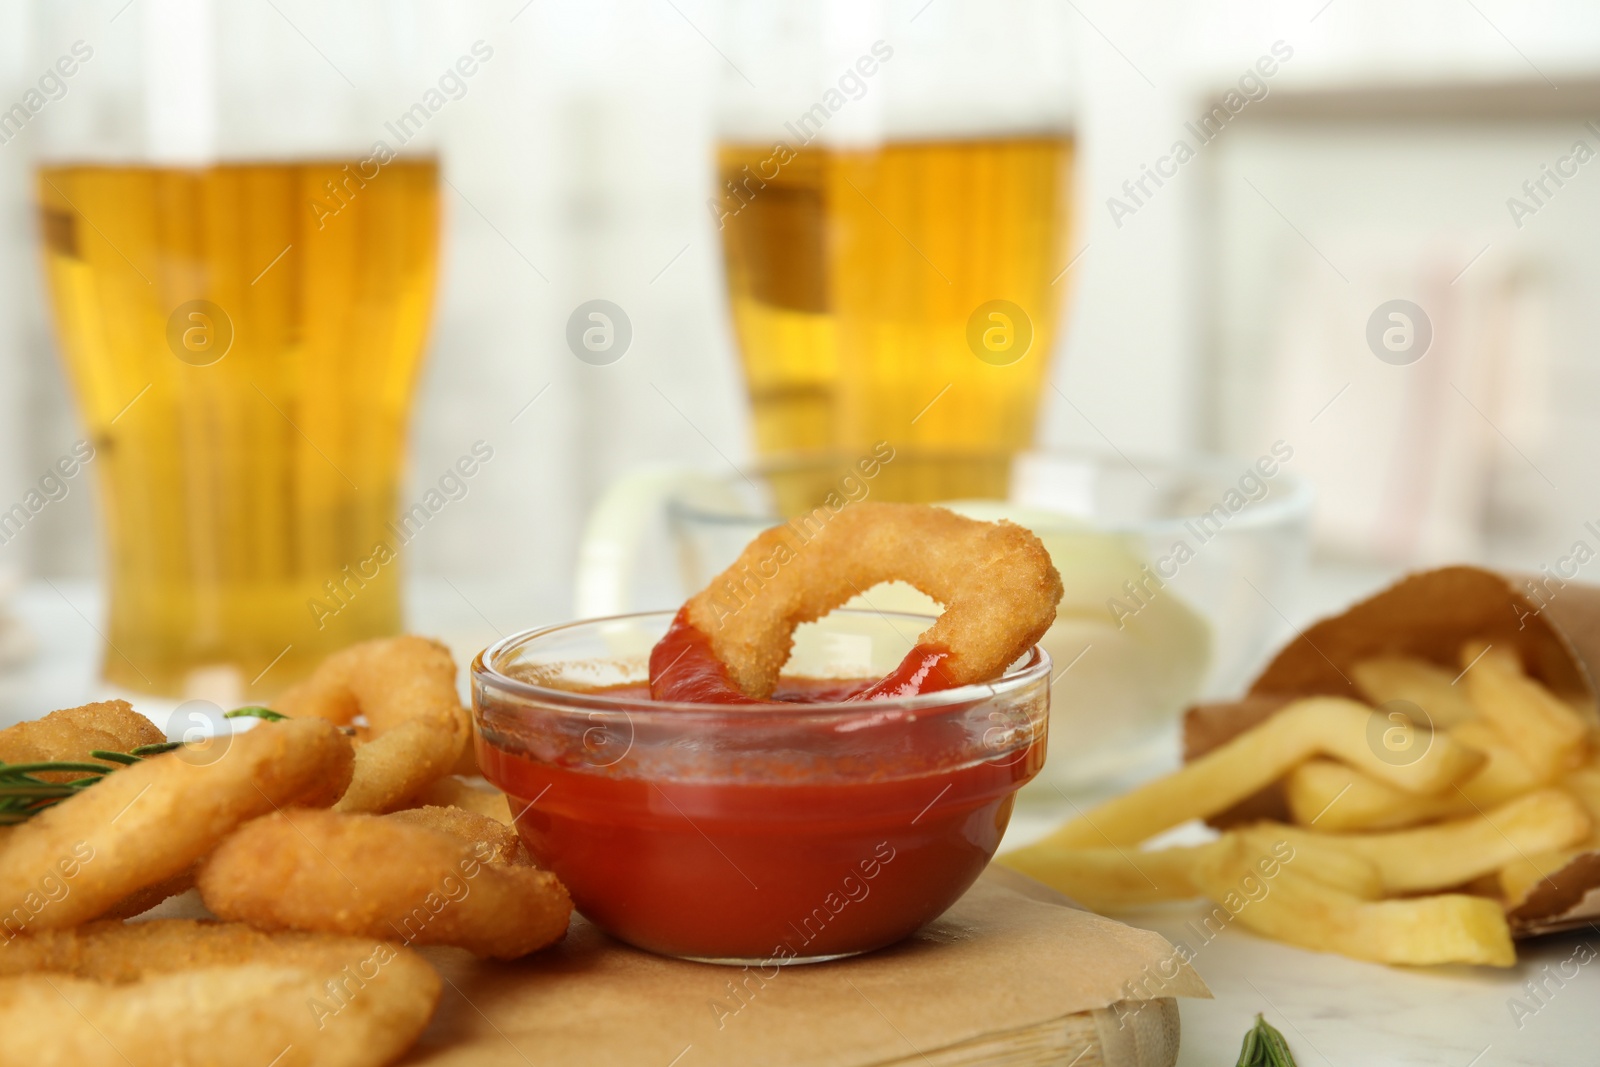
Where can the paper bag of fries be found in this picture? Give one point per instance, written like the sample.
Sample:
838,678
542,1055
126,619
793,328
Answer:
1420,774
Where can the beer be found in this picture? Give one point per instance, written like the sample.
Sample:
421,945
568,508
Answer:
863,285
243,340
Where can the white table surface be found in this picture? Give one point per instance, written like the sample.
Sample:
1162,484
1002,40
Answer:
1334,1011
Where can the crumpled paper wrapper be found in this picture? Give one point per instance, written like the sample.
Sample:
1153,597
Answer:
1013,974
1431,614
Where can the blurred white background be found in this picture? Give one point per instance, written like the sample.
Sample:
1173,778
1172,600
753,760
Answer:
1227,311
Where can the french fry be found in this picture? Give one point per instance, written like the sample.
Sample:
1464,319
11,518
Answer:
1335,798
1427,685
1227,774
1453,853
1303,911
1504,774
1584,783
1543,729
1339,799
1524,874
1113,879
1325,863
1501,795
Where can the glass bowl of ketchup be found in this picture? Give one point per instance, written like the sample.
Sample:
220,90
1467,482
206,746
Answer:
754,833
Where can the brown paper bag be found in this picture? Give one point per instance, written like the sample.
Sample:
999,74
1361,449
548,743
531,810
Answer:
1011,974
1555,627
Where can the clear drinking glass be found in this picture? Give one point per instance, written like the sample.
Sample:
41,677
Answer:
241,249
894,199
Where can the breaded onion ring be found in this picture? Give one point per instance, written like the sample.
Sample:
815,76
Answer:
374,876
70,734
406,688
493,841
452,792
995,580
180,992
151,821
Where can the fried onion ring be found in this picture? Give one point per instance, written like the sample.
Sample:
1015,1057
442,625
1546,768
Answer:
72,733
150,822
995,580
493,841
174,991
452,792
377,876
406,688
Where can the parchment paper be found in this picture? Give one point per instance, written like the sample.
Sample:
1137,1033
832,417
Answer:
1009,955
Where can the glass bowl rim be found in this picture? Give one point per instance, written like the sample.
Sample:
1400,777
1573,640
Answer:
1294,502
566,701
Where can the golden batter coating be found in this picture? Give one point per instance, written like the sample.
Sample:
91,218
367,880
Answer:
183,992
147,823
494,841
378,876
417,729
995,580
70,734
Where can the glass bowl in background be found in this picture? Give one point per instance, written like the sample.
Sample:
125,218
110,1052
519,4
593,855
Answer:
755,833
1174,574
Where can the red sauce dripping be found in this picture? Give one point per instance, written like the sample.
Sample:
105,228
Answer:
920,672
684,669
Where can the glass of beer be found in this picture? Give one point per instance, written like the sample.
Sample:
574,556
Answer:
241,261
894,202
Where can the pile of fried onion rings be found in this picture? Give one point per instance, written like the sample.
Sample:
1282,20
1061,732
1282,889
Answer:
307,833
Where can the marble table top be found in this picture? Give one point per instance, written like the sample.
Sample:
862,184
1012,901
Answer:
1337,1011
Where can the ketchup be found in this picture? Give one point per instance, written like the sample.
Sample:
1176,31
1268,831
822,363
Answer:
919,672
684,669
771,869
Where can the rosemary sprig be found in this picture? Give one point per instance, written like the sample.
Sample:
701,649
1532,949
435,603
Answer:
67,766
254,712
23,796
1264,1046
40,789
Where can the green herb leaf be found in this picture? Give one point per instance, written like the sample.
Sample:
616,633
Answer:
114,757
9,769
155,749
254,712
1264,1046
1248,1052
44,789
23,796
